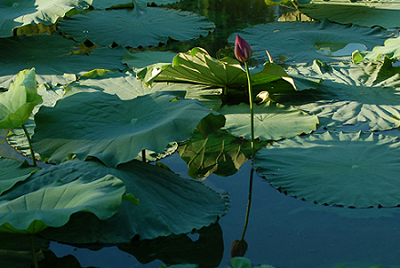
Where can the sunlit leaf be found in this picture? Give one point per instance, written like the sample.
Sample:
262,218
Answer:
306,41
347,169
168,204
272,121
391,50
365,13
351,94
144,26
52,205
18,102
114,130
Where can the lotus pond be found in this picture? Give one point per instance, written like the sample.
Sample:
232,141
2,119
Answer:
126,134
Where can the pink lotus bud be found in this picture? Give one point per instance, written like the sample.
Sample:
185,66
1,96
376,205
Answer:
239,248
243,51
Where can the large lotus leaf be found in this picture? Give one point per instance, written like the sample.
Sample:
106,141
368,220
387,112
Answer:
23,52
114,130
302,42
168,204
351,94
220,153
347,169
272,121
365,13
18,13
197,66
17,103
391,50
145,26
12,171
124,85
53,204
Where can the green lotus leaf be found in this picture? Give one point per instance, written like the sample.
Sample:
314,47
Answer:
364,13
18,13
352,94
142,26
12,171
272,121
220,153
124,85
18,102
139,60
197,66
114,130
19,143
346,169
53,204
302,42
25,52
390,50
168,204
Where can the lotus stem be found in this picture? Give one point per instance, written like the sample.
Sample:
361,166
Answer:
33,251
30,145
251,110
144,155
246,220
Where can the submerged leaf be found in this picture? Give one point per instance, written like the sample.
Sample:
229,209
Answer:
347,169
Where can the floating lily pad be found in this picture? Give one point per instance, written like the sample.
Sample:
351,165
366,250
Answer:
302,42
18,13
12,171
142,26
53,204
346,169
351,94
365,13
168,204
139,60
114,130
272,121
24,52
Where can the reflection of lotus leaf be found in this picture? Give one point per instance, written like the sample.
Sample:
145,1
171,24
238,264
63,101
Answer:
303,41
353,169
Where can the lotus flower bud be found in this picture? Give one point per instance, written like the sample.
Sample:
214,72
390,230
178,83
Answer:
243,51
239,248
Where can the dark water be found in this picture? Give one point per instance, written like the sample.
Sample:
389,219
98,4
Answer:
283,231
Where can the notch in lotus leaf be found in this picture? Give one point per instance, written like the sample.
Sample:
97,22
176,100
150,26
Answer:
17,103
